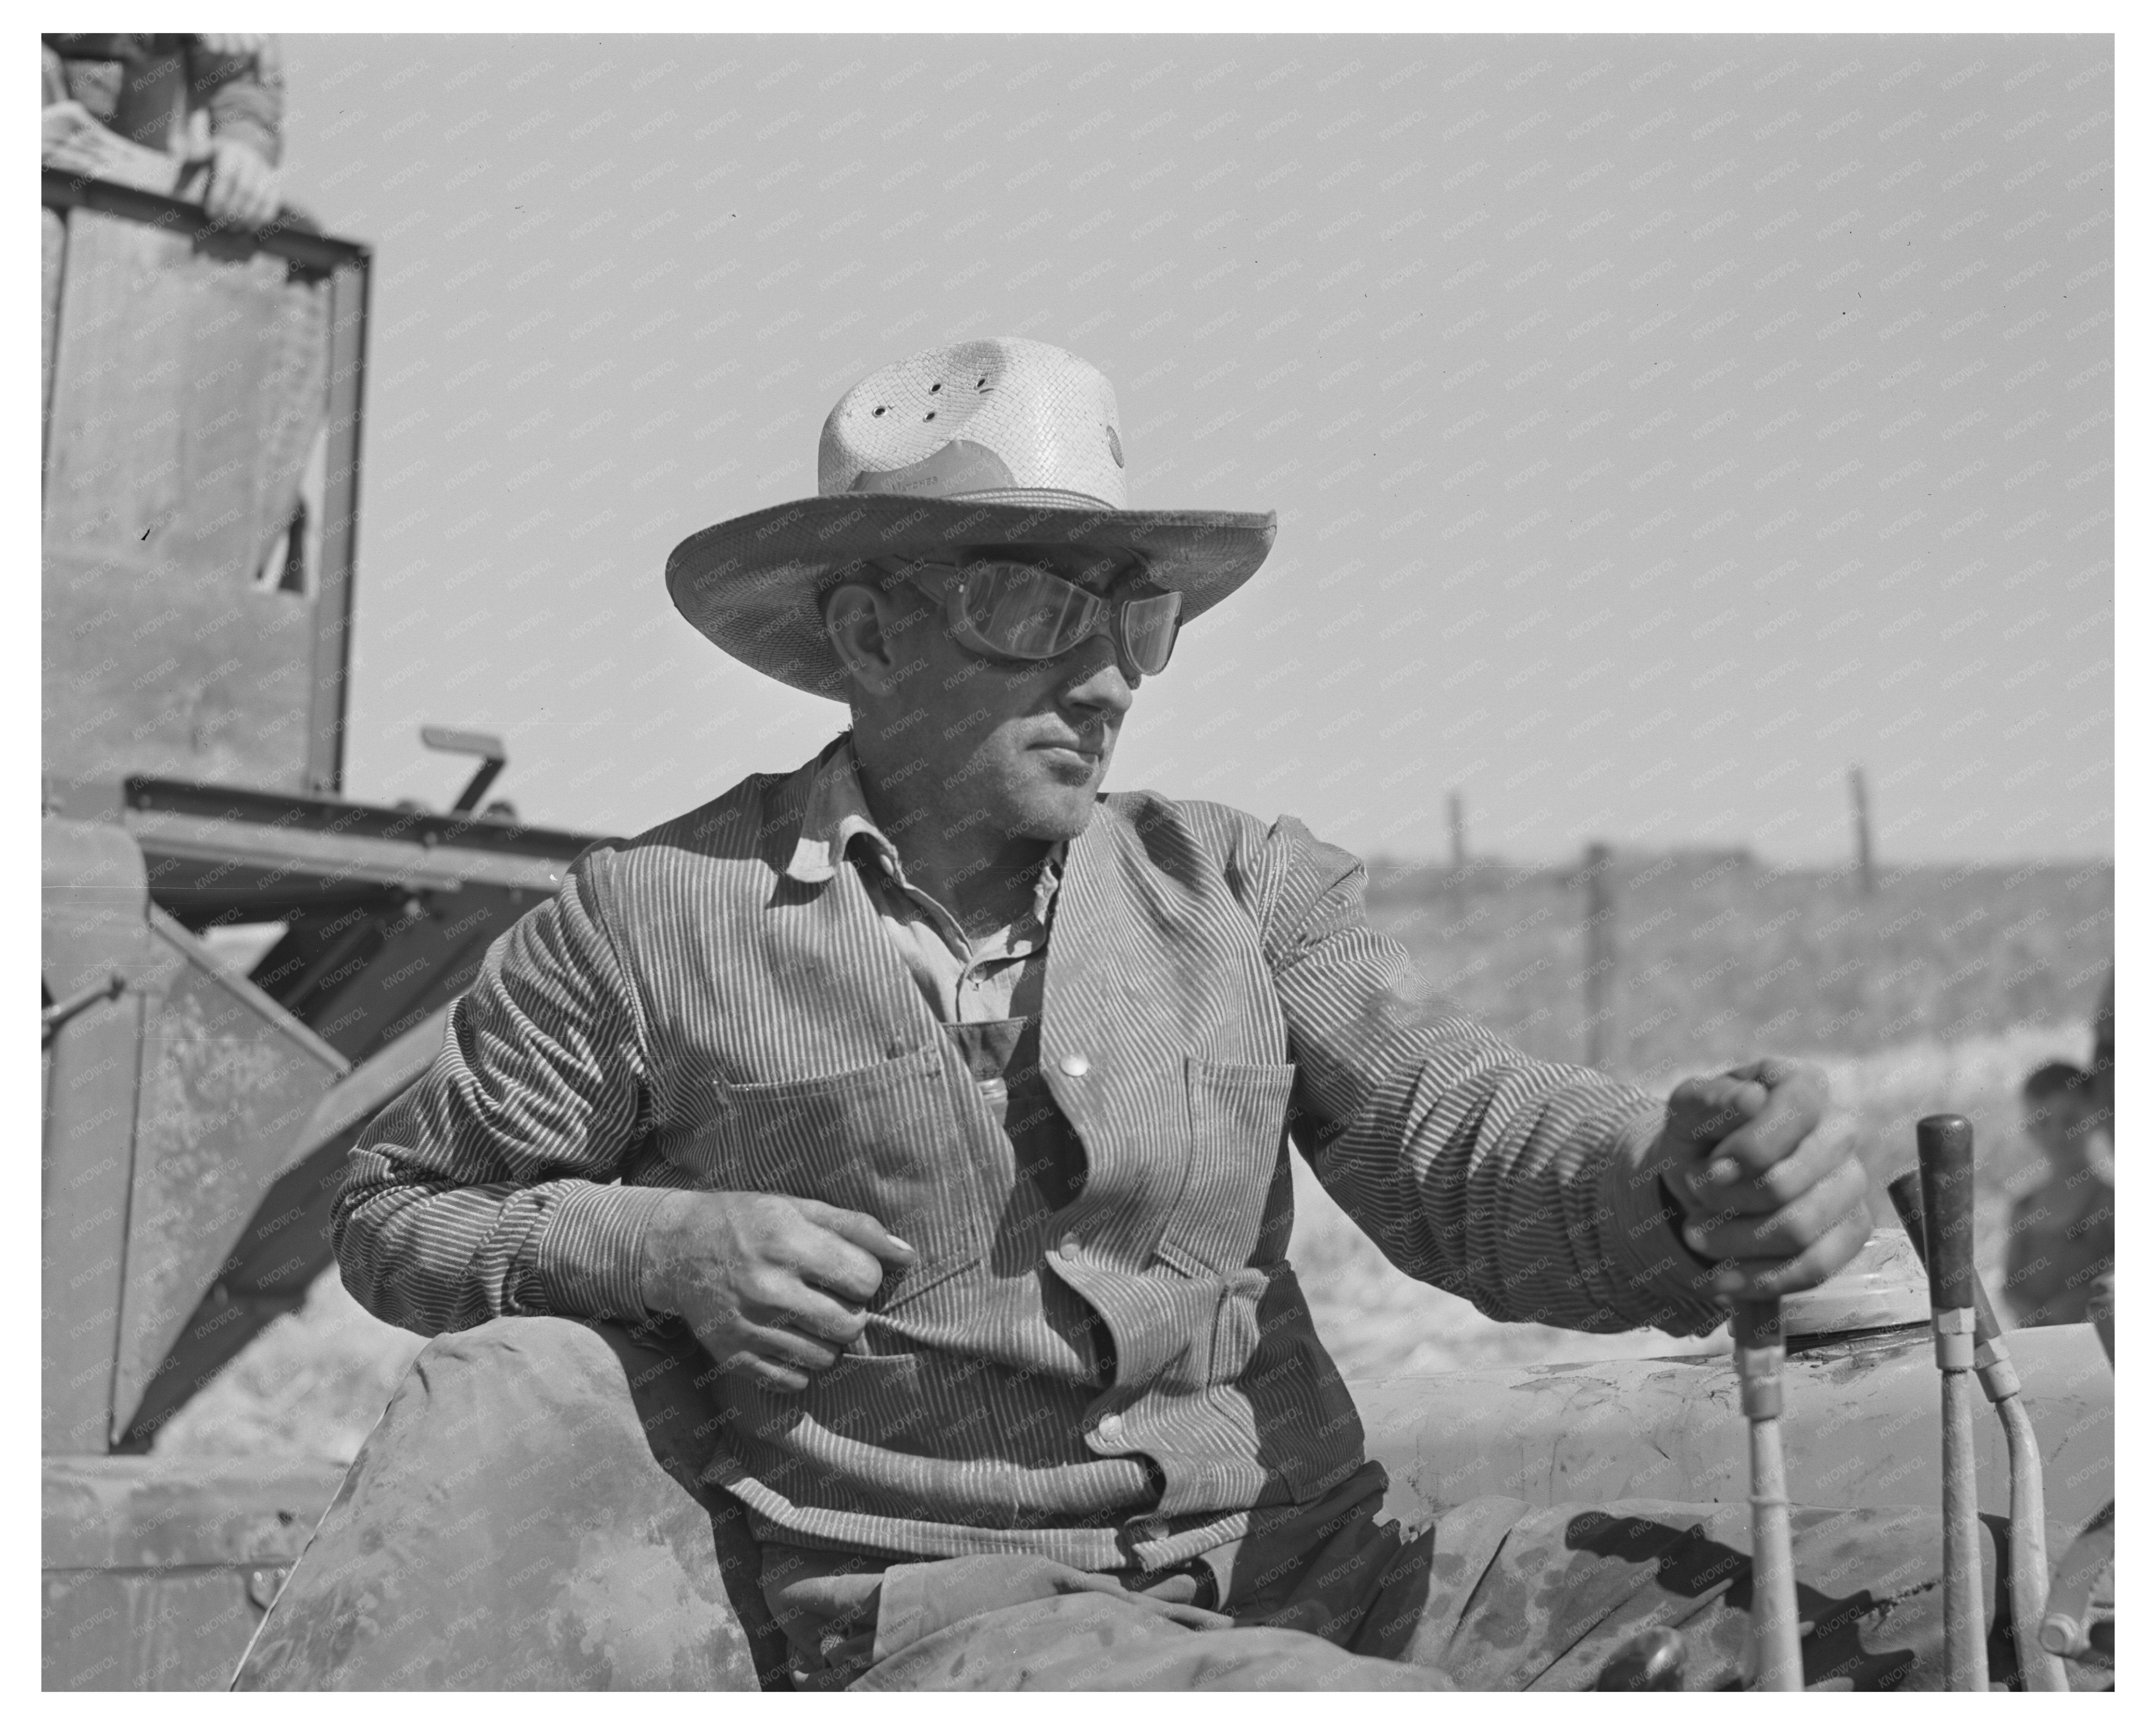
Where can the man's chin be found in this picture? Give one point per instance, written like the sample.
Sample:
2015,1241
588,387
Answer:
1055,811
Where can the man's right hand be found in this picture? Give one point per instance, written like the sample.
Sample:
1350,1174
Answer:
772,1286
243,187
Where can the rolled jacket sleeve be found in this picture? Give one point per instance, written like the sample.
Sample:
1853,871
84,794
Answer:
242,90
483,1190
1515,1183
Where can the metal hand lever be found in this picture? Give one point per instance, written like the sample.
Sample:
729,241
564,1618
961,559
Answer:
2028,1558
1946,1163
1755,1327
493,758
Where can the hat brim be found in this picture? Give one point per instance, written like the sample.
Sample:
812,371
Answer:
753,586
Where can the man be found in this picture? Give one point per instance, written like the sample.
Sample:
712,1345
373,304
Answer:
216,102
2060,1240
949,1098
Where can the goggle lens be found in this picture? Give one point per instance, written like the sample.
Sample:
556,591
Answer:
1149,629
1028,613
1024,612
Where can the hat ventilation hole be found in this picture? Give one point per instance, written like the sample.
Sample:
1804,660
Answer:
935,388
879,413
929,415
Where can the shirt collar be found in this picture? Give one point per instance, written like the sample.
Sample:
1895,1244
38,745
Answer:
837,813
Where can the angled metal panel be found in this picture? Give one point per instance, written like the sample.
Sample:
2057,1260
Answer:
286,1245
229,1079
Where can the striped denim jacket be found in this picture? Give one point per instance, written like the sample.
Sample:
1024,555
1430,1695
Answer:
685,1013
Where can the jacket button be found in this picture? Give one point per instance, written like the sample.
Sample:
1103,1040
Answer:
1111,1427
1074,1066
1068,1246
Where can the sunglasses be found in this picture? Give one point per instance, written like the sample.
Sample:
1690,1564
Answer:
1011,610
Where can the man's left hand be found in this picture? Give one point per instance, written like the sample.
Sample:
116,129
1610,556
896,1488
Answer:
1777,1203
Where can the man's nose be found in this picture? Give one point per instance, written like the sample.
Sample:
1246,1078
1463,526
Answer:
1095,680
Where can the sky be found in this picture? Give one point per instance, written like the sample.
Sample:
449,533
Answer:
1658,426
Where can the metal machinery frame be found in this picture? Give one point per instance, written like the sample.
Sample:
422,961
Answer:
196,1119
347,267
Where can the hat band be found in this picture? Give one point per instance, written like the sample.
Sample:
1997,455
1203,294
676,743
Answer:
1035,497
963,471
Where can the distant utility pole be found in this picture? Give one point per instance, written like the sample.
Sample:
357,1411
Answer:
1456,812
1600,976
1860,810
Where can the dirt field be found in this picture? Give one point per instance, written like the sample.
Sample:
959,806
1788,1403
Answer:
1940,993
1376,1321
1718,958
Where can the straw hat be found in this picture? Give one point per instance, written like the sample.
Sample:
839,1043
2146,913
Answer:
989,442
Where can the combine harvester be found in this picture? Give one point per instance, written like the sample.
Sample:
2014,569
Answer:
241,965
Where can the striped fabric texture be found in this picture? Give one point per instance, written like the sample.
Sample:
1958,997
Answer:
1121,1388
964,981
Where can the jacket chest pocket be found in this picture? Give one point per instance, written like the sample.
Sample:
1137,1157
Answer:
881,1139
1238,1116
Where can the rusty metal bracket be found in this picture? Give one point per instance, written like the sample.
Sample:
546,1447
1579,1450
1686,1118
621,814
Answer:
60,1011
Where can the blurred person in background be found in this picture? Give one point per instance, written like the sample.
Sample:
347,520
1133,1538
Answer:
2100,1064
157,110
2060,1240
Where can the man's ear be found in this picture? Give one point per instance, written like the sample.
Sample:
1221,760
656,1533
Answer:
856,618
